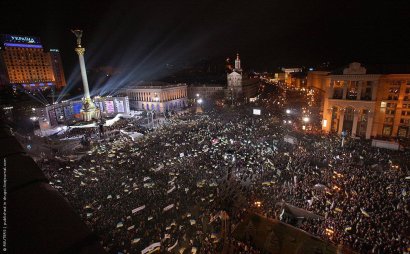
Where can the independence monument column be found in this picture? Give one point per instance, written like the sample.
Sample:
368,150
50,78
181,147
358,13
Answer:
88,111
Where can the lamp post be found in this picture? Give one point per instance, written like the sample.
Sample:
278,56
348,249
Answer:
33,119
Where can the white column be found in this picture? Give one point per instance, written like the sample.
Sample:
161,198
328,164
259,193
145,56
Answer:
359,92
369,125
344,90
331,90
80,52
374,90
341,119
354,128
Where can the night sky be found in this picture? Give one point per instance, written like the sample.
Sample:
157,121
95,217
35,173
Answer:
267,34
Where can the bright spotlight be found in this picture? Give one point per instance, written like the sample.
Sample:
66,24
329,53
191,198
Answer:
288,111
200,101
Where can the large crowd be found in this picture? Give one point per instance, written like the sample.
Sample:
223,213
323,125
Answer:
164,190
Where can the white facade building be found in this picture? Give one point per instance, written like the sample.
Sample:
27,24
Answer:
157,96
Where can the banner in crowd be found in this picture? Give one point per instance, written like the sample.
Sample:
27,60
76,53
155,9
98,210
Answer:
171,190
138,209
173,246
168,207
152,247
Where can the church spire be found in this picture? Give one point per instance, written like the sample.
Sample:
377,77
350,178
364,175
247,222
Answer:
237,63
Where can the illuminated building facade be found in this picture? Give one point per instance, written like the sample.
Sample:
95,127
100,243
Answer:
366,104
157,96
25,63
240,87
205,91
57,67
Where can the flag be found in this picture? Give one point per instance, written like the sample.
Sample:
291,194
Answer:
152,247
168,207
364,212
135,240
173,246
138,209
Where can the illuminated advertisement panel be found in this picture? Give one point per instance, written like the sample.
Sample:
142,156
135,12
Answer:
68,112
53,117
120,106
77,108
109,107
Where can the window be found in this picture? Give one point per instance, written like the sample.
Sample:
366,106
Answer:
389,120
387,130
390,112
404,121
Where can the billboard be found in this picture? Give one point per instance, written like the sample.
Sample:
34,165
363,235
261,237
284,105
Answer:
68,112
77,107
53,117
119,104
109,107
256,111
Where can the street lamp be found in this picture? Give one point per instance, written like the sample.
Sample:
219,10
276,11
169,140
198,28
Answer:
306,119
288,111
33,119
199,101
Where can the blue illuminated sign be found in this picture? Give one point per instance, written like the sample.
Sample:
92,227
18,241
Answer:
77,107
41,84
49,84
21,39
21,45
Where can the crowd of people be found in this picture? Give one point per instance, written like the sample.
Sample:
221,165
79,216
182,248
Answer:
164,190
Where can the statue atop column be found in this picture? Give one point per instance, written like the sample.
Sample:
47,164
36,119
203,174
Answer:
88,110
78,33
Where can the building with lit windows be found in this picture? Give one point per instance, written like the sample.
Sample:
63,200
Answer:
156,96
366,102
57,67
205,91
25,63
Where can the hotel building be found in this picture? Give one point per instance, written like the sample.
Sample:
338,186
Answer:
25,63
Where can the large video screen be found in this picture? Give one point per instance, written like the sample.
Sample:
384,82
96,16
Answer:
53,117
109,107
68,112
77,108
257,112
120,106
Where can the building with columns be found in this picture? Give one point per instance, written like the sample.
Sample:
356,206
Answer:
365,103
157,96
